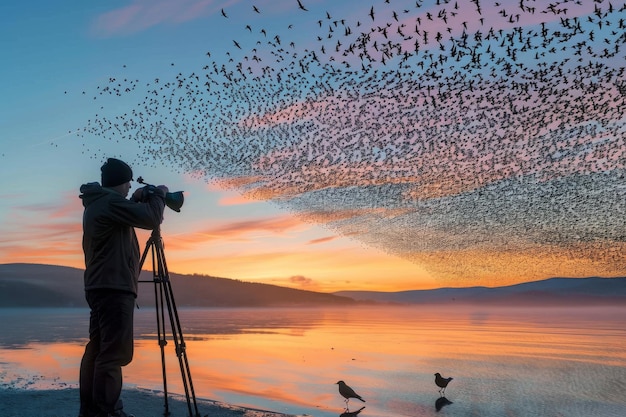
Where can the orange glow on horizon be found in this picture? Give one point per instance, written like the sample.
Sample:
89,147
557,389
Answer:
287,251
316,268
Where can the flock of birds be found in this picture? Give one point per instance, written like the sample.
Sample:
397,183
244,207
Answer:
347,392
476,138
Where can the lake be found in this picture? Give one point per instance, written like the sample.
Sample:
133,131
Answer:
505,361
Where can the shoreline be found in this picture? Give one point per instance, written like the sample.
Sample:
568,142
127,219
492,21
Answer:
64,402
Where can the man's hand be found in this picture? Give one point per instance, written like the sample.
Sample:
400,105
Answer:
141,194
137,195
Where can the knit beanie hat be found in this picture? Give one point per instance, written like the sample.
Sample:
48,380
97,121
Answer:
115,172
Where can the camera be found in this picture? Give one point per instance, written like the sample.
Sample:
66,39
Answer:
173,200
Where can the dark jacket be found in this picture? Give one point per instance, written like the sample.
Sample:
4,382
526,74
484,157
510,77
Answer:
109,240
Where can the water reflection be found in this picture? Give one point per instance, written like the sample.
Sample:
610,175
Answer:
282,359
348,413
441,402
20,326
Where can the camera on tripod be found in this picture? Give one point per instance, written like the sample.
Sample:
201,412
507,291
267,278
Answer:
173,200
164,301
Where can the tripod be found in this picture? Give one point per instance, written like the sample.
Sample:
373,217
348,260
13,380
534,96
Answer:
164,297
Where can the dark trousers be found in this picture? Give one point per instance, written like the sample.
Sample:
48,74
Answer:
109,348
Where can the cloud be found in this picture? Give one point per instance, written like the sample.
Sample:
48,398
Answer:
144,14
272,225
235,199
302,281
48,233
237,231
322,240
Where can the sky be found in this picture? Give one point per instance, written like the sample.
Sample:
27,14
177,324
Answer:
382,145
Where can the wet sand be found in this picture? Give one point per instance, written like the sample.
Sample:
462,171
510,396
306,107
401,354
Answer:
20,402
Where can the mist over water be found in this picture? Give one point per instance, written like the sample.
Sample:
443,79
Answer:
504,361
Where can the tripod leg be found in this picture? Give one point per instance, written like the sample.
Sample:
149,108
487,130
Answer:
157,279
158,296
181,349
177,332
152,246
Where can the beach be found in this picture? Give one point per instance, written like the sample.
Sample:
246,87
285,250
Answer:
63,402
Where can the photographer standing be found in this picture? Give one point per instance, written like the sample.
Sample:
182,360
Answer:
112,262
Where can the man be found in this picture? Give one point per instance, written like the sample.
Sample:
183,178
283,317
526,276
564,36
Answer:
111,275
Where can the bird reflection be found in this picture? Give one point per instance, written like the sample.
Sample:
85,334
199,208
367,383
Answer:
441,402
351,413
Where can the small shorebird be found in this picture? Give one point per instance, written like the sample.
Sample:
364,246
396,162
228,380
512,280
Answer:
442,382
347,392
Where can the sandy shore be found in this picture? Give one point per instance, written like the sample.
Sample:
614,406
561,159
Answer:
18,402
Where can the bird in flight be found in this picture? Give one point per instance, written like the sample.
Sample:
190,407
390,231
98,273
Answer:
347,392
472,77
442,383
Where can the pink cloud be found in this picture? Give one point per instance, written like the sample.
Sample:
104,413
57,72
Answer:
234,200
274,225
48,233
322,240
237,231
118,20
143,14
302,281
44,242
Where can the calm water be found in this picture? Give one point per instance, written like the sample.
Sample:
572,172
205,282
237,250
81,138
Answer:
505,362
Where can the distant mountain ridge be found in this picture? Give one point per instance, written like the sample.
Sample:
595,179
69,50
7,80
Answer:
552,291
39,285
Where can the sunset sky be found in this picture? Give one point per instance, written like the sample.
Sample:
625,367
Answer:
361,198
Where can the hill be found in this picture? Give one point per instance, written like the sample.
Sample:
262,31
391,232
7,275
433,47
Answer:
37,285
552,291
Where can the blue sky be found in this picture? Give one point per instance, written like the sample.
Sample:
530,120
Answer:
363,162
54,52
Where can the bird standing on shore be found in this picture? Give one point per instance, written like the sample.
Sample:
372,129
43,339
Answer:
442,383
347,392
